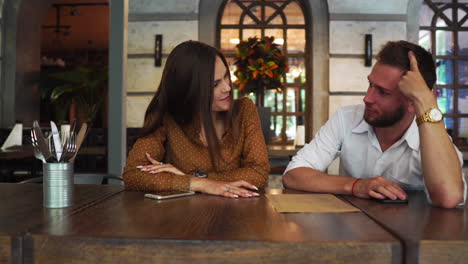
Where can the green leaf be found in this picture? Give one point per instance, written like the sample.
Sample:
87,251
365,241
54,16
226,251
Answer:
61,91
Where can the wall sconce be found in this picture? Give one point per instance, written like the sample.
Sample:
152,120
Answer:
368,50
158,51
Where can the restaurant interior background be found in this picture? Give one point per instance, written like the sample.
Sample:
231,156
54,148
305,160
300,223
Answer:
324,41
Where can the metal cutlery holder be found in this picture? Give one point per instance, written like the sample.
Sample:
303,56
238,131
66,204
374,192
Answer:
58,188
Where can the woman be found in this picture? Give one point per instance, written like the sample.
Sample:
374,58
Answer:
195,136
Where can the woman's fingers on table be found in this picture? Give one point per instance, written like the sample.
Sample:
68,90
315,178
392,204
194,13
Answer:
226,189
245,184
241,188
160,168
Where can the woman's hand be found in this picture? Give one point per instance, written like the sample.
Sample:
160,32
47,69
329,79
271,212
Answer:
227,189
157,166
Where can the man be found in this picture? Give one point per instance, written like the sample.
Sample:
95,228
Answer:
396,141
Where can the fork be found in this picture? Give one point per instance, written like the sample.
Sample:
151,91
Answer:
70,148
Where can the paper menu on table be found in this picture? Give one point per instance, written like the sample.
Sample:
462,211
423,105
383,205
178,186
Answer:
309,203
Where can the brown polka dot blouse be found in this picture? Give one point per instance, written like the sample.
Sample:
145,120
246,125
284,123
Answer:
245,159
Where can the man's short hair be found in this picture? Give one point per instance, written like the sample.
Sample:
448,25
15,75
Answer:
395,53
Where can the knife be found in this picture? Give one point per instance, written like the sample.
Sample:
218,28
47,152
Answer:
79,139
56,138
43,147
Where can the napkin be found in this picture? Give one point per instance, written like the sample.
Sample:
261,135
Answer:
15,138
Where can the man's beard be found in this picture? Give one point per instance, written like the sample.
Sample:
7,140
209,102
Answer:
387,119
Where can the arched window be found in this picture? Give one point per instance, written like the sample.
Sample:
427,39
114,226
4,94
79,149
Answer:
444,31
285,21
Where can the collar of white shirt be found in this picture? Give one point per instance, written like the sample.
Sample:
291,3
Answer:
411,135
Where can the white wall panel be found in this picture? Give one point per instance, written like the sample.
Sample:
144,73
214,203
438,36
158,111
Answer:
142,76
367,6
136,107
163,6
348,75
141,35
347,37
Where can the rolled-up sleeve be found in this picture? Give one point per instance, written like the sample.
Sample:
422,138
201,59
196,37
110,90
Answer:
323,149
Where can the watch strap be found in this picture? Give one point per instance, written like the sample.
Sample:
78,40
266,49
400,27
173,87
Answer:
422,118
426,117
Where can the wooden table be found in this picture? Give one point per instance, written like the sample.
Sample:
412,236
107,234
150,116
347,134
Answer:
429,234
129,228
21,209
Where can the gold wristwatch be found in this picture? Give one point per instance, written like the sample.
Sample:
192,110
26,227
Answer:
433,115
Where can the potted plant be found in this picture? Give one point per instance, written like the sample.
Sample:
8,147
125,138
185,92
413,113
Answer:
81,88
260,65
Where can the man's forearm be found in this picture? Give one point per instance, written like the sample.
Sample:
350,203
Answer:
308,179
441,166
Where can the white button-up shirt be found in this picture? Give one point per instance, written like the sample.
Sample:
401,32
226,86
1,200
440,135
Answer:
350,137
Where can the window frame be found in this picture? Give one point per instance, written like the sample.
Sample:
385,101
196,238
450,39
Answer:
454,26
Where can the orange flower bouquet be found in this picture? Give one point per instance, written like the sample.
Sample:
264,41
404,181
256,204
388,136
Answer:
260,65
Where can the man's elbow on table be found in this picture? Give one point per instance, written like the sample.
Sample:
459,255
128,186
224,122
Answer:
446,197
289,180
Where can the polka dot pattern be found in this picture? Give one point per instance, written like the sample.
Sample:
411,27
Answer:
243,158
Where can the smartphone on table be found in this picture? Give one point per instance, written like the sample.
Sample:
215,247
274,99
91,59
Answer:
168,194
390,201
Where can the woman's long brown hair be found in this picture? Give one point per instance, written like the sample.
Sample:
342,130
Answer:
186,94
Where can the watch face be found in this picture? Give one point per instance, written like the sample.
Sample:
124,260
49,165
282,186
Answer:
435,114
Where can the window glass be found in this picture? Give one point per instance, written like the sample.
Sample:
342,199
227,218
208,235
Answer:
463,72
463,101
463,42
250,33
291,127
445,100
293,13
425,39
449,125
463,130
231,14
444,42
296,43
444,71
229,39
